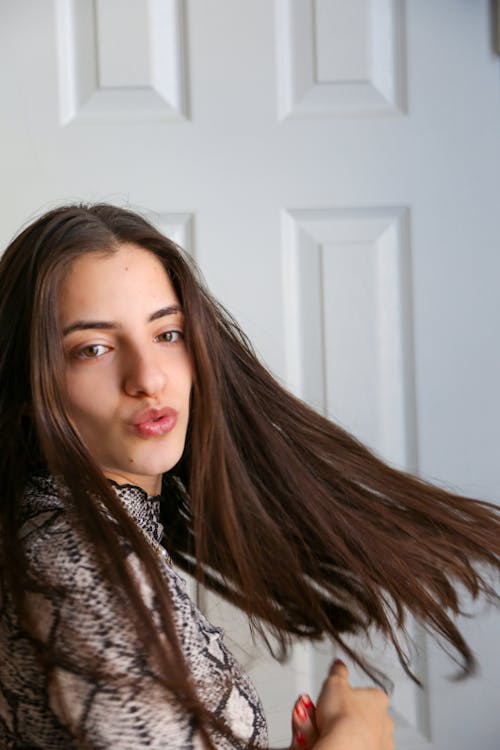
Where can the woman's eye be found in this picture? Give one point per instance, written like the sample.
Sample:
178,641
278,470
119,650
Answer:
171,337
92,351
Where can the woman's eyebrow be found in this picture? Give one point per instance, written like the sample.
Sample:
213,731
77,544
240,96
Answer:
85,325
170,310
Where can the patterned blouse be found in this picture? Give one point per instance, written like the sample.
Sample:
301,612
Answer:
83,617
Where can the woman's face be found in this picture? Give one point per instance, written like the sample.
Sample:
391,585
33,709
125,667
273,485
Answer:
128,373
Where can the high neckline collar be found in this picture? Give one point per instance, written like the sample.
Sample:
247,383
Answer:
134,488
144,508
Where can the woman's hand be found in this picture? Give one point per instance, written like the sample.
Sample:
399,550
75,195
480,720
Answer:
350,718
304,729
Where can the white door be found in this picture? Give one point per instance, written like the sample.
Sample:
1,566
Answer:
334,166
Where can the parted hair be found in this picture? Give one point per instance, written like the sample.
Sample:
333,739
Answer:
272,505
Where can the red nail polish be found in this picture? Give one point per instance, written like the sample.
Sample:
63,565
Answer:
300,738
306,701
301,712
339,662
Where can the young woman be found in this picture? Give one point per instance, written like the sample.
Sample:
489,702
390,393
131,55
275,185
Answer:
138,428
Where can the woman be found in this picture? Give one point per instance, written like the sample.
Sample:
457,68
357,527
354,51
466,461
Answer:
138,427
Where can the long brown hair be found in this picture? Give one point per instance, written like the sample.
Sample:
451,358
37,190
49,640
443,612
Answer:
272,505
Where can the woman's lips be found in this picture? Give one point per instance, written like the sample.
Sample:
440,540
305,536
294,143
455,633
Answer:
155,422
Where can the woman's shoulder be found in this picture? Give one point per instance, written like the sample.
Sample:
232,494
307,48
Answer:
57,553
43,509
42,493
41,505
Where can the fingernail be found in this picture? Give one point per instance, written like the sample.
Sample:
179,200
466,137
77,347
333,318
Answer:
301,712
338,663
300,738
306,701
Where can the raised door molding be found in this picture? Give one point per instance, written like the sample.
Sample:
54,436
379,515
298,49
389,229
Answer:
349,344
339,58
177,227
121,61
349,322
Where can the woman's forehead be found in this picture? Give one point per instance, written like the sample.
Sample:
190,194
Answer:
130,279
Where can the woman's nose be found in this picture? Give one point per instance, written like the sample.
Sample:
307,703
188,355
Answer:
144,373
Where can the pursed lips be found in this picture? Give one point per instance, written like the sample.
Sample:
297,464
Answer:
155,422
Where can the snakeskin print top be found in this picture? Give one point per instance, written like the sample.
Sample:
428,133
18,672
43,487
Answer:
84,616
